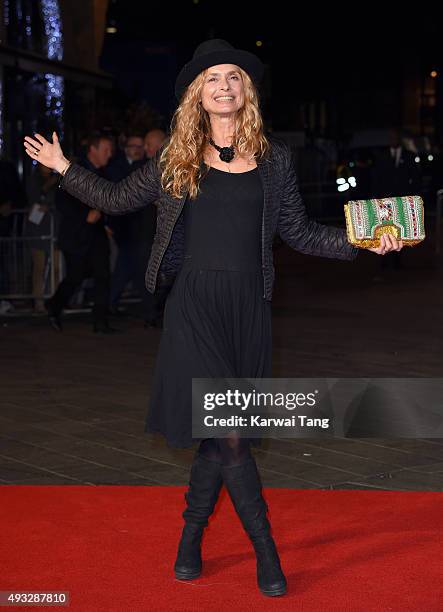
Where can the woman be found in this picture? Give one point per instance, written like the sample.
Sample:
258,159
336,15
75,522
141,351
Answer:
222,191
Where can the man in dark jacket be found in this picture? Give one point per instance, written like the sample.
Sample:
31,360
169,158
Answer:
84,243
394,173
132,233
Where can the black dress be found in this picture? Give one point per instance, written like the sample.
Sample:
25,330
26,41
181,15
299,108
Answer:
216,322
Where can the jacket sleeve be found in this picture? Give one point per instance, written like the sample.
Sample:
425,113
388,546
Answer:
302,233
138,190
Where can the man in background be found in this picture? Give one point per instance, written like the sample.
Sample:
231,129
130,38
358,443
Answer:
394,173
84,243
153,141
131,232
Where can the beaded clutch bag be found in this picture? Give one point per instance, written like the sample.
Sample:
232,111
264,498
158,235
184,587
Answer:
367,220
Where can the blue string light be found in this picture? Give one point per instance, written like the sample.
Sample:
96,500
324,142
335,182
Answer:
6,12
6,23
53,28
28,27
55,84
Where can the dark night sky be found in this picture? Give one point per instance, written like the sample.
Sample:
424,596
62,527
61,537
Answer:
356,47
315,35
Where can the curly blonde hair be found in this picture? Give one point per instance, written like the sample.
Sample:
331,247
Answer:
180,160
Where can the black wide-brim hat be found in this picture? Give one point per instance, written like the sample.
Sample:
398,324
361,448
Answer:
214,52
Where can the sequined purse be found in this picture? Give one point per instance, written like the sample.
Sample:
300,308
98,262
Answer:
367,220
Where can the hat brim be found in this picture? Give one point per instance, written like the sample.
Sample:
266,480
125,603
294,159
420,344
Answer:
246,60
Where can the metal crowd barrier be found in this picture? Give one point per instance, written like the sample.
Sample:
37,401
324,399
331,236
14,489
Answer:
16,260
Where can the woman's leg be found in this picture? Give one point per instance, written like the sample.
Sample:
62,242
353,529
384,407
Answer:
231,450
208,449
242,480
205,483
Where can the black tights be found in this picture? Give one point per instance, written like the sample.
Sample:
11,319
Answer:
227,451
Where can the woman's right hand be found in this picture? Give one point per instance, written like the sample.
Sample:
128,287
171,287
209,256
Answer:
50,155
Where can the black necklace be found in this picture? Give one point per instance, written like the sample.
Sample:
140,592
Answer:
226,154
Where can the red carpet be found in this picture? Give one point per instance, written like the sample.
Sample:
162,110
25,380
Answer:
113,548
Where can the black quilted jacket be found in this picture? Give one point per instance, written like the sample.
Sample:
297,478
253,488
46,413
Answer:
283,213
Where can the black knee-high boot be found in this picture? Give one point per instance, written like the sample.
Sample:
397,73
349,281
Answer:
244,487
204,488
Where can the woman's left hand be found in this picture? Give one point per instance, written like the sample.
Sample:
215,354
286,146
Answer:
388,243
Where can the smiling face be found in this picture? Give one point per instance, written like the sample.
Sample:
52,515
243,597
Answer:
223,90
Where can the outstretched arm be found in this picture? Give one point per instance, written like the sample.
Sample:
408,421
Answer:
139,189
302,233
310,237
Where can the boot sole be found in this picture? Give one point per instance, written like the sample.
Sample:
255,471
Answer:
275,592
187,575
